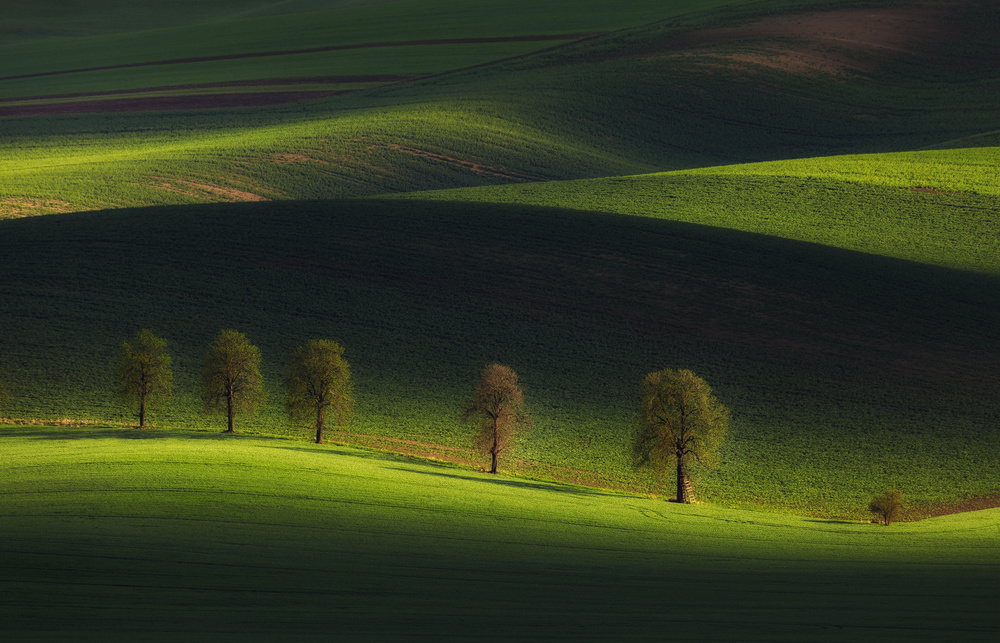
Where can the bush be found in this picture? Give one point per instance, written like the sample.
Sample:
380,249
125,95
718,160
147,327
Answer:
887,506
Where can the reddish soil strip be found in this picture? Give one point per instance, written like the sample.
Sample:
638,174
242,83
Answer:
961,506
16,207
463,456
161,103
478,168
200,190
260,82
313,50
834,42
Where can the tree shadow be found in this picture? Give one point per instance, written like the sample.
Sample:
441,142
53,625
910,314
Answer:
340,451
120,433
522,484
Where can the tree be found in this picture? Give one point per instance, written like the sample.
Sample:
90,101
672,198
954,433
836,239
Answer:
679,418
143,371
232,374
887,506
318,382
499,405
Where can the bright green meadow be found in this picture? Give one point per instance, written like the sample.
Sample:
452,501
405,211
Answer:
192,534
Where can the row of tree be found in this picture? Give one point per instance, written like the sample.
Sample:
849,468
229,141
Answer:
318,379
680,418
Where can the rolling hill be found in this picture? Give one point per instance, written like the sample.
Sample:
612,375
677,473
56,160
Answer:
815,348
811,189
689,88
797,199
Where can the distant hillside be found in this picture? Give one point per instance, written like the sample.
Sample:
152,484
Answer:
937,207
741,83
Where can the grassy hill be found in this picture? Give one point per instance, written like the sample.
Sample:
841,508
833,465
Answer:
688,89
934,207
196,535
797,199
828,298
847,372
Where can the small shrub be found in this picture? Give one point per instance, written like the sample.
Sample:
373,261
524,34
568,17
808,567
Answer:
887,506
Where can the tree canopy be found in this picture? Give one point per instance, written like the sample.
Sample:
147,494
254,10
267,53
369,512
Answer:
231,374
499,405
887,506
319,382
679,418
143,373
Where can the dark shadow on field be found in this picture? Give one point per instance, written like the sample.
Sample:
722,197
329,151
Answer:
353,453
541,486
97,433
836,522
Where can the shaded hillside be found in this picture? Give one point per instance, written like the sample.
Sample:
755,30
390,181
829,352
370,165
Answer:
846,372
734,85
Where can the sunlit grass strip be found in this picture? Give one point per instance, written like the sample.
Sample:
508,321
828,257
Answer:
358,152
191,532
975,170
935,207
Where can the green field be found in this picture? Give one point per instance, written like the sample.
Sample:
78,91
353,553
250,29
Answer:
192,534
933,207
799,200
596,108
811,346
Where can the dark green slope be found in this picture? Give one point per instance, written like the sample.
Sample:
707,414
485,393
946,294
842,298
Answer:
846,372
754,82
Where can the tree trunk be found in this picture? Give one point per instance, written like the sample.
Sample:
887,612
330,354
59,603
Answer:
319,425
229,411
681,474
496,446
142,411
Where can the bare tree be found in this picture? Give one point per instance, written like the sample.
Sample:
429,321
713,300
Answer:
499,405
231,373
143,372
318,382
887,506
680,419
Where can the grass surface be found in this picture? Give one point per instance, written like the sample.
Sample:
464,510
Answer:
847,373
599,108
937,207
52,19
807,221
359,23
196,535
407,60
